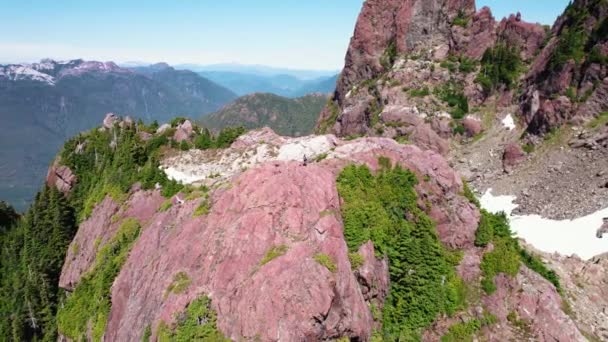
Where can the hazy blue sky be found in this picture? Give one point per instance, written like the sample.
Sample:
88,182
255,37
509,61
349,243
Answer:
311,34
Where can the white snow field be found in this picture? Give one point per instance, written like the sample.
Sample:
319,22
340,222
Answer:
567,237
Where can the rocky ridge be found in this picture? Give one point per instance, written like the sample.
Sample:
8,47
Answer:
263,181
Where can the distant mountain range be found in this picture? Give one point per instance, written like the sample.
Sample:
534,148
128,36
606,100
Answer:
42,104
289,117
259,70
281,84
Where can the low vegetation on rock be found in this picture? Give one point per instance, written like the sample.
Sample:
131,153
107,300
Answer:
197,323
89,304
423,281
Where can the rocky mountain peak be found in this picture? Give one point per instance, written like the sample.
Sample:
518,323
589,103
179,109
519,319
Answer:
50,71
568,82
387,28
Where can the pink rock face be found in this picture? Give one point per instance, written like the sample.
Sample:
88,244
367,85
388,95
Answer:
291,297
527,37
547,81
425,137
276,204
535,302
100,228
402,22
481,31
512,156
184,131
60,177
373,275
472,126
92,234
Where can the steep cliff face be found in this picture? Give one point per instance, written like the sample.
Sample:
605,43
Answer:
387,28
568,82
410,62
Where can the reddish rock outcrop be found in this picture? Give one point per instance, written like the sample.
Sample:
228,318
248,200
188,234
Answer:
276,203
472,126
585,284
533,302
395,54
528,38
110,120
99,228
60,177
184,131
512,156
551,84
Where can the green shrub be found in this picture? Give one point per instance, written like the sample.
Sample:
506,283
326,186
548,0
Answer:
500,66
534,263
423,92
327,261
423,280
177,121
197,323
504,258
320,157
600,120
147,334
273,253
468,193
184,146
466,331
202,209
447,64
181,282
325,125
166,205
459,128
356,260
528,148
461,20
89,304
388,58
452,93
467,65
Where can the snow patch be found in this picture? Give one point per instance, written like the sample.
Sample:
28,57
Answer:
509,123
567,237
297,148
212,166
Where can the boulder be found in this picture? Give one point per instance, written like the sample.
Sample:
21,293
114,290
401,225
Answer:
472,126
184,131
60,177
110,120
512,156
163,128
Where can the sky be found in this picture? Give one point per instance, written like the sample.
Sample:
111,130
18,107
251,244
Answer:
299,34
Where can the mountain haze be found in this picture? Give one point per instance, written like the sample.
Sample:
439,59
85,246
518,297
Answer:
42,104
289,117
